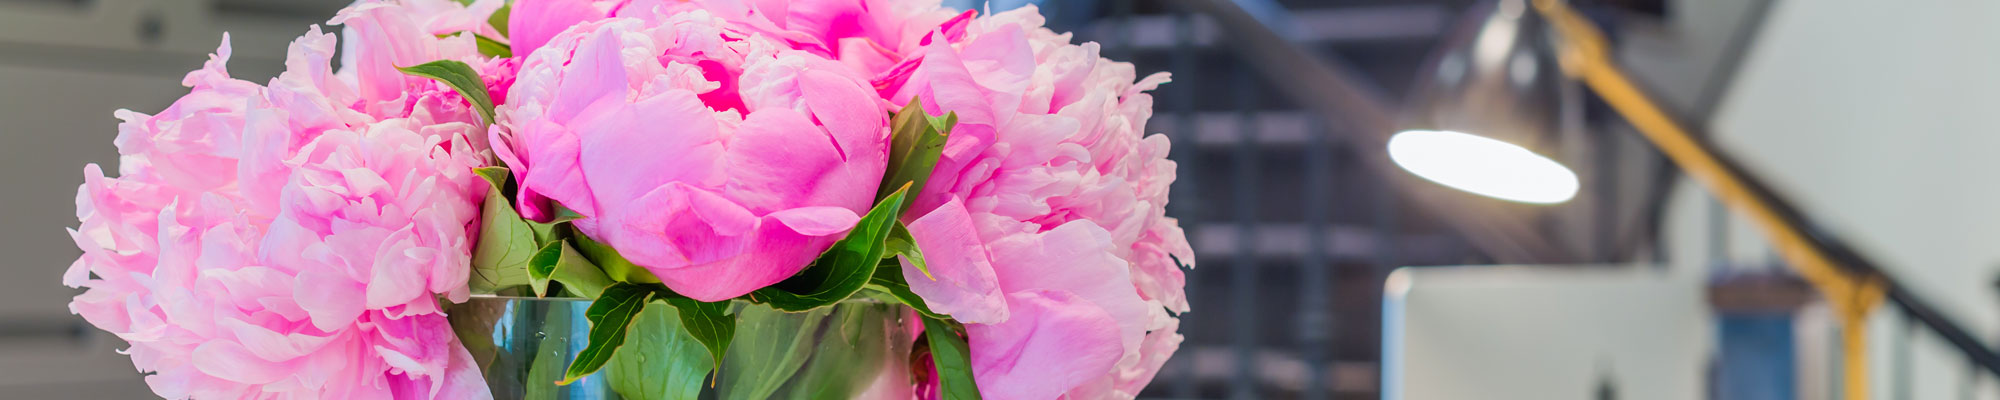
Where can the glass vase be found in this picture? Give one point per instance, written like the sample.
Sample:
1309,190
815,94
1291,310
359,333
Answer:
857,349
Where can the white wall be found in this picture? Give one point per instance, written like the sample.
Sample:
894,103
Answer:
1881,119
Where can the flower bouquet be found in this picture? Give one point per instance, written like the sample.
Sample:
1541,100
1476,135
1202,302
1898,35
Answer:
645,199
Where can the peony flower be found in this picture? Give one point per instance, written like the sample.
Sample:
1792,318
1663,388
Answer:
868,35
292,240
720,161
1044,223
534,22
1049,310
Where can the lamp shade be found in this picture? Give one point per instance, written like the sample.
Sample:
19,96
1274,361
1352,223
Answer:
1488,109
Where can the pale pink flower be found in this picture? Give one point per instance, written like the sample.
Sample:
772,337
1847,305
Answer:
721,161
1069,273
291,240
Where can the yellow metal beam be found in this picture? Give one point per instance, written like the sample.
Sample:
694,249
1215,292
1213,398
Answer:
1586,56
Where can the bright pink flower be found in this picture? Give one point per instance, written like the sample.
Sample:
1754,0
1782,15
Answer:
868,35
292,241
533,22
1069,273
721,161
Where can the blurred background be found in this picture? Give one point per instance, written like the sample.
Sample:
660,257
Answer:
1398,199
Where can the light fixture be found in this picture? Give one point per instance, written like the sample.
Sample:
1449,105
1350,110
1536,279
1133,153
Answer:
1488,114
1483,166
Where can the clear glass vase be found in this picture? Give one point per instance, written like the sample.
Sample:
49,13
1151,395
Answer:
858,349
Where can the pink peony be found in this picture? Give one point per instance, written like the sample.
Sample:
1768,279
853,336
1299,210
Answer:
868,35
1044,224
1051,309
721,161
292,240
534,22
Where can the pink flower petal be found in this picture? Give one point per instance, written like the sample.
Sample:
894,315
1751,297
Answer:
859,127
763,257
630,149
598,74
388,39
1053,342
723,216
396,278
229,360
817,221
462,378
551,173
273,346
1077,258
534,22
961,282
333,300
778,160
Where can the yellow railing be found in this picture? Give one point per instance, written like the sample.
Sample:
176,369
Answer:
1585,56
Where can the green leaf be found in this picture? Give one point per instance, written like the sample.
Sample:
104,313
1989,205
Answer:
843,269
541,266
954,362
849,355
492,47
944,123
488,46
609,317
564,214
559,262
499,18
770,346
916,141
900,243
500,256
613,265
547,232
544,232
888,279
708,323
496,176
459,77
662,362
546,371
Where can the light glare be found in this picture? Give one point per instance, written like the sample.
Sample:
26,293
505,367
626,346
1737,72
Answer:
1483,166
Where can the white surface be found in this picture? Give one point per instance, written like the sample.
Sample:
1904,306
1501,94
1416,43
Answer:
1543,333
1882,119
